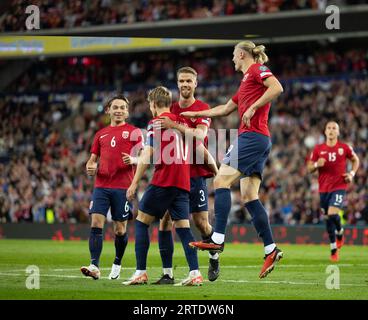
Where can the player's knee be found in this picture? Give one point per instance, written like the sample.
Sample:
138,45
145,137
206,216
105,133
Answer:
220,182
165,224
120,230
249,196
97,223
182,224
201,222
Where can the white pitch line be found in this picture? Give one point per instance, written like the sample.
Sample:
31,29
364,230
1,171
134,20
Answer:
240,267
290,282
222,280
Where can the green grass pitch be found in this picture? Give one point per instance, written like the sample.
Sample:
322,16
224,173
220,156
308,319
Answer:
300,275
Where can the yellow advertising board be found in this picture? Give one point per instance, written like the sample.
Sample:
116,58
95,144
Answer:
25,46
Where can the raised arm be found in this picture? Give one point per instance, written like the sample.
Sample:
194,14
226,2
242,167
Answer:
219,111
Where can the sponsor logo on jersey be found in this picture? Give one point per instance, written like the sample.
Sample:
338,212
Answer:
104,135
125,134
340,151
323,152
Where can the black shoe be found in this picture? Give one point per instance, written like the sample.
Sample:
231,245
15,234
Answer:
165,279
213,269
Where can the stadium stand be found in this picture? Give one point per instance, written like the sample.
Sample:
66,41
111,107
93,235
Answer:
69,14
44,145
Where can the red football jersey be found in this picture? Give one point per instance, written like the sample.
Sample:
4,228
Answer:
196,170
108,144
250,90
331,174
171,155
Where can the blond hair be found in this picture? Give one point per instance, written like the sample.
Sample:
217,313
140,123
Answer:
257,52
186,70
160,96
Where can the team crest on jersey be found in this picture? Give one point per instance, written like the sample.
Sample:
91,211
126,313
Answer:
340,151
193,119
245,77
125,134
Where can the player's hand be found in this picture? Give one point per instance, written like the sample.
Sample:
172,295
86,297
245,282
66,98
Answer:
130,194
321,162
348,177
247,115
91,168
190,114
127,159
163,123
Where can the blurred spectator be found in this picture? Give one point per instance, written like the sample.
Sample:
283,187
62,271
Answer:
44,147
68,13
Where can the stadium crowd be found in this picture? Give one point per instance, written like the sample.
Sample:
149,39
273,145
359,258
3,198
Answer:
44,148
72,74
68,13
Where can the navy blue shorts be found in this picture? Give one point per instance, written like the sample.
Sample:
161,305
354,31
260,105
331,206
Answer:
157,200
248,153
332,199
198,198
105,198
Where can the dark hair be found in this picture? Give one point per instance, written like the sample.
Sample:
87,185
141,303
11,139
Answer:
118,96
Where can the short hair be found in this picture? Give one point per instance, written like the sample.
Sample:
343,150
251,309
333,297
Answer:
160,96
117,96
331,121
186,70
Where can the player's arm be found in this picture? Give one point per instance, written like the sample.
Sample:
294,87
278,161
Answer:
207,157
313,166
218,111
200,132
355,165
144,161
274,89
91,165
130,160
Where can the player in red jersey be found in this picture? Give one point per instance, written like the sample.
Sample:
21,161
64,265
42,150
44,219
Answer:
112,152
329,159
168,190
247,155
200,170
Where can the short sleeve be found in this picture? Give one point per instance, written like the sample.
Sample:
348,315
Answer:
314,155
203,121
150,135
95,148
261,73
235,98
349,151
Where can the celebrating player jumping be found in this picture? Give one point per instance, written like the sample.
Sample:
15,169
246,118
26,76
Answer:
247,155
